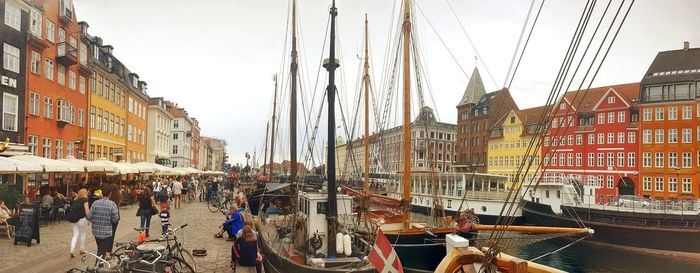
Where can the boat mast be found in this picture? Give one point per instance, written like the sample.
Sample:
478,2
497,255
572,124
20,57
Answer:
272,131
267,132
293,94
366,80
331,65
406,109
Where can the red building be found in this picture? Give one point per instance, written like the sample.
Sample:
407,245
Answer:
593,137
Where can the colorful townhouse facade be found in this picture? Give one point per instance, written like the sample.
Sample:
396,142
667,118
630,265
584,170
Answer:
477,112
670,125
181,140
159,134
194,147
514,138
13,41
57,100
136,119
593,138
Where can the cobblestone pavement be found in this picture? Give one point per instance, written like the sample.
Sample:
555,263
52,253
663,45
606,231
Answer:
52,254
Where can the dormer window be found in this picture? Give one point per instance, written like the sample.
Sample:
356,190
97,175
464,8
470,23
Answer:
135,82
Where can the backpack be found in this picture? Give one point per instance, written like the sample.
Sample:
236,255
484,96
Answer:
73,214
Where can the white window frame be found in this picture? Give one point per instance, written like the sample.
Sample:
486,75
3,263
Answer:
686,135
687,185
82,85
61,75
621,116
673,135
72,80
659,113
672,184
646,160
687,112
48,69
48,107
81,118
611,99
631,159
658,184
35,23
34,103
7,113
36,62
13,16
648,115
50,31
631,137
33,143
10,57
672,113
687,160
646,183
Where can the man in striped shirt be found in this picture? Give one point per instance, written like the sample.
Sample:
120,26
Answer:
103,214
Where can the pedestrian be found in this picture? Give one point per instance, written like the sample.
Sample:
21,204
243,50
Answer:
157,187
177,193
77,214
147,208
103,214
164,217
117,197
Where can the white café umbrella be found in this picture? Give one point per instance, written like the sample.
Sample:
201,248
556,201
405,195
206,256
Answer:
50,165
120,168
9,166
145,167
91,166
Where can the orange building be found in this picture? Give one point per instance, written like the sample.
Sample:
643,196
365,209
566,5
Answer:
195,145
136,119
58,64
670,140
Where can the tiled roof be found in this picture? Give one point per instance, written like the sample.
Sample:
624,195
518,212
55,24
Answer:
531,115
586,100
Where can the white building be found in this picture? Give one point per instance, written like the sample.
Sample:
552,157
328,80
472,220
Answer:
181,137
159,131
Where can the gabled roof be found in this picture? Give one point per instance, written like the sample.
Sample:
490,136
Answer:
674,66
474,91
585,101
531,115
627,93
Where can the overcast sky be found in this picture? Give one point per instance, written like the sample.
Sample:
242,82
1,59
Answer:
216,58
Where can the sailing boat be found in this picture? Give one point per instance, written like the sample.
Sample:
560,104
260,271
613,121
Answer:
294,242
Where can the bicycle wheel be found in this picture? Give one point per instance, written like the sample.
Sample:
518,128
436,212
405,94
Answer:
213,205
181,266
186,256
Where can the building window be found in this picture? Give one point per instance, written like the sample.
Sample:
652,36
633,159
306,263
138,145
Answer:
578,159
61,75
672,135
647,114
672,160
659,113
81,118
570,160
632,137
621,138
659,160
10,112
72,80
83,53
10,59
35,22
646,136
610,183
687,185
687,112
33,142
48,69
687,135
601,118
659,136
176,123
611,159
601,138
621,116
579,140
50,31
63,110
59,149
646,160
631,158
591,139
92,117
687,160
673,113
174,149
591,159
13,16
99,120
570,140
659,184
611,138
46,147
601,159
672,184
620,159
34,103
611,99
562,159
611,117
36,63
81,86
646,183
48,107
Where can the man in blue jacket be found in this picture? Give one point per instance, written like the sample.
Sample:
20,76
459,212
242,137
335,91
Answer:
236,223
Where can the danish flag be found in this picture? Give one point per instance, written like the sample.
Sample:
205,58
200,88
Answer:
383,256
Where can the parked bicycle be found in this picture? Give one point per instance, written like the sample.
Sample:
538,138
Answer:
182,259
223,200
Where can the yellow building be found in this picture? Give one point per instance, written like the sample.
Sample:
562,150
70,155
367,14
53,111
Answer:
107,100
509,142
136,119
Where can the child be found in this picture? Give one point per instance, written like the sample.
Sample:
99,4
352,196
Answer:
164,217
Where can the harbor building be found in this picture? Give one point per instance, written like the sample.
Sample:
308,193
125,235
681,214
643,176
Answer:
136,118
158,135
181,139
514,138
15,15
58,62
670,109
194,146
477,112
593,138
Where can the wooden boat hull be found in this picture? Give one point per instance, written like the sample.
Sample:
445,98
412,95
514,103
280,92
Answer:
419,252
615,228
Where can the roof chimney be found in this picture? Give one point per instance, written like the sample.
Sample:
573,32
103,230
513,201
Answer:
686,45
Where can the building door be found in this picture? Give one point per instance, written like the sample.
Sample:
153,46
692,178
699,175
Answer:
625,186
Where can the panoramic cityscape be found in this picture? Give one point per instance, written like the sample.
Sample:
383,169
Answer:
227,136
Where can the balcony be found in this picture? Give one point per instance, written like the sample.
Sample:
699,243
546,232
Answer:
67,54
38,42
85,69
65,11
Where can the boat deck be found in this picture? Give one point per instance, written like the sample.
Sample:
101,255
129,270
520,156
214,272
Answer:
647,210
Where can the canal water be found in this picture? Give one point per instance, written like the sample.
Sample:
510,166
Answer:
585,257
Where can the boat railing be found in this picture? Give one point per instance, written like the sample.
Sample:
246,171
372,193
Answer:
639,204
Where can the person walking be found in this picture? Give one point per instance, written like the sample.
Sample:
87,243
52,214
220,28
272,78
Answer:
77,215
177,193
147,207
157,187
164,217
103,214
116,197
